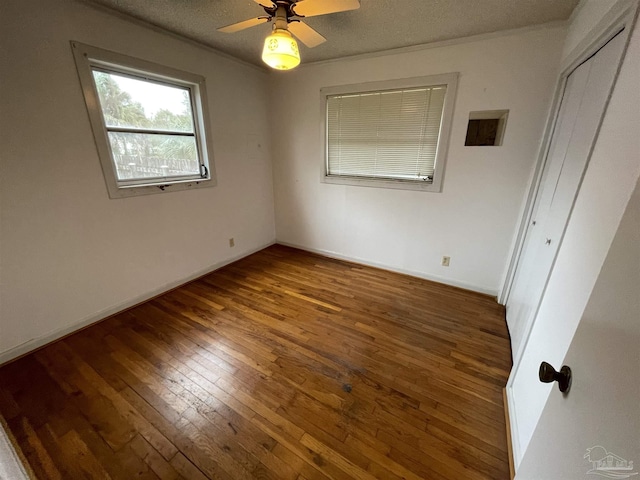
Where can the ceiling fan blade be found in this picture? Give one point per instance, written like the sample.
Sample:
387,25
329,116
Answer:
265,3
312,8
306,34
236,27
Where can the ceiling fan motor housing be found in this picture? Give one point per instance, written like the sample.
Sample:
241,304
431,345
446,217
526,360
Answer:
281,17
285,5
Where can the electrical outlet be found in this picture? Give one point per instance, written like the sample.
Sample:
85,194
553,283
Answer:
445,261
232,242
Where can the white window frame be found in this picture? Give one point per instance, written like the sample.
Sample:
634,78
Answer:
448,79
88,57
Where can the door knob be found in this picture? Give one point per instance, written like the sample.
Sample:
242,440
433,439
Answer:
548,374
547,241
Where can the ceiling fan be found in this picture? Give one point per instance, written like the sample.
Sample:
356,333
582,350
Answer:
280,48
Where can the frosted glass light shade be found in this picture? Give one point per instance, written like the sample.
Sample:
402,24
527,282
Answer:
281,50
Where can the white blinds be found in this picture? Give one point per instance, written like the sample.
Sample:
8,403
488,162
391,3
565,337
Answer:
385,134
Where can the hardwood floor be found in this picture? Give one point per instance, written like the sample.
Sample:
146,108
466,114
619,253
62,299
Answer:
284,365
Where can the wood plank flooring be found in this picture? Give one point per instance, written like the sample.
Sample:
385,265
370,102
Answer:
284,365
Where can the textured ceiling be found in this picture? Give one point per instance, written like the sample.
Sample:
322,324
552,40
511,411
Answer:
378,25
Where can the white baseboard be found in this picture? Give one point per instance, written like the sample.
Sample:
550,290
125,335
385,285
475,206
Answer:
413,273
513,426
56,334
507,418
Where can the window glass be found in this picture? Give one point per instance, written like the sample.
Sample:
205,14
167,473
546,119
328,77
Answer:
138,155
149,123
130,102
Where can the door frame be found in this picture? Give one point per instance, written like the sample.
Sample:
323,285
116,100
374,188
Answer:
619,21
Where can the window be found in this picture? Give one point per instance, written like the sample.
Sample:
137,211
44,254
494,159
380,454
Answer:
148,121
389,134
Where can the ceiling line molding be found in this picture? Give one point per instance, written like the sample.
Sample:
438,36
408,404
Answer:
442,43
152,26
576,11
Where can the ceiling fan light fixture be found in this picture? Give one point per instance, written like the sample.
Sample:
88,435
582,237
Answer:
281,50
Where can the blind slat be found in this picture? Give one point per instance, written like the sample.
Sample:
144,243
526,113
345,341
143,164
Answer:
391,134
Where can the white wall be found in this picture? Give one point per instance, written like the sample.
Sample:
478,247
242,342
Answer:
474,218
70,255
608,182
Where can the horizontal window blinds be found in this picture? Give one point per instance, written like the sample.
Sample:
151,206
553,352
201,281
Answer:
385,134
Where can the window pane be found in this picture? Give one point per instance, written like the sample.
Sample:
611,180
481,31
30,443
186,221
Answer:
139,155
129,102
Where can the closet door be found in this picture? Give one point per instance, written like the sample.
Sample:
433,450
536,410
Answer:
584,100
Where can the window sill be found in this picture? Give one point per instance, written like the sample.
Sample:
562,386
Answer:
137,190
422,186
